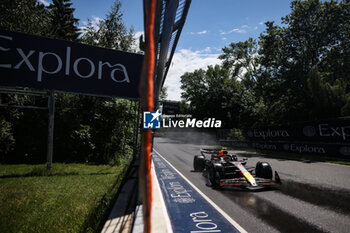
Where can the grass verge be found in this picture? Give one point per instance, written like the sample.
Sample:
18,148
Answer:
68,198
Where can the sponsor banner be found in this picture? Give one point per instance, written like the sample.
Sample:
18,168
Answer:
171,108
329,131
187,209
51,64
329,150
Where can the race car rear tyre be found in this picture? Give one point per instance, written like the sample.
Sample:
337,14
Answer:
263,170
198,163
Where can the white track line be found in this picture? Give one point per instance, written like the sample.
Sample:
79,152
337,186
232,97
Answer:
234,223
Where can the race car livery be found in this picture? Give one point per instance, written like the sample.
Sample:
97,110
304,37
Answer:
223,169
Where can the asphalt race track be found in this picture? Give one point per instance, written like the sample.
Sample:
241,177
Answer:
314,196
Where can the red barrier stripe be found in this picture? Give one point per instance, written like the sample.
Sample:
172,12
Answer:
150,107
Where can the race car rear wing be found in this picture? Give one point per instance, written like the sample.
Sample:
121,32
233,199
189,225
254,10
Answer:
209,151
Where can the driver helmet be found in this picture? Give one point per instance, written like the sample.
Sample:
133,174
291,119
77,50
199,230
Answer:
223,153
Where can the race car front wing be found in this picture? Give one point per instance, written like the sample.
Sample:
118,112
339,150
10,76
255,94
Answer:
258,182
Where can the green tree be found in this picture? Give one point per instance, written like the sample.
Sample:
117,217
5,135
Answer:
111,31
87,129
91,128
242,59
163,93
63,25
315,34
295,72
90,35
194,89
27,16
322,94
7,140
212,93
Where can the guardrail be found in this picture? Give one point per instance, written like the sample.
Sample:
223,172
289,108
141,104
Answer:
323,149
328,131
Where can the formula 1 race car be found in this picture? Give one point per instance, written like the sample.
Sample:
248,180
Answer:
223,169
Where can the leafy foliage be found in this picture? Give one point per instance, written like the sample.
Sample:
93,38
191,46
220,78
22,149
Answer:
91,129
295,72
27,16
63,25
212,93
87,129
110,32
6,137
163,93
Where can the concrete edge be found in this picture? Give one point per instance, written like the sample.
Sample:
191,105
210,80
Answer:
121,217
160,221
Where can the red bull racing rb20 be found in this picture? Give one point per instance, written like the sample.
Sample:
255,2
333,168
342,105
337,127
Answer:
223,169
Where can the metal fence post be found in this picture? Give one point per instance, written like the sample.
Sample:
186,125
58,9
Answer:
138,128
134,128
51,105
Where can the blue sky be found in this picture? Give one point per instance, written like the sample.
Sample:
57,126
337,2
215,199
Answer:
210,26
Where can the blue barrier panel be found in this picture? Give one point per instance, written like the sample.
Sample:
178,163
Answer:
188,210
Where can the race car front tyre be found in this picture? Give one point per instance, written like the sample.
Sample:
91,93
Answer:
198,163
263,170
212,177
